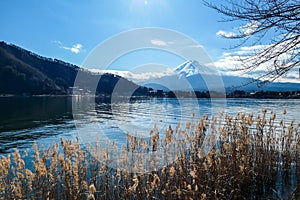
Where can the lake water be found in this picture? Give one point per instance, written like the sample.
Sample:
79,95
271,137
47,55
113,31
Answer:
47,119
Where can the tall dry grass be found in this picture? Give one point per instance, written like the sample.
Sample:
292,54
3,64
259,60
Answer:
254,157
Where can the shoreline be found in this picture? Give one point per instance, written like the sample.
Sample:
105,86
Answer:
257,95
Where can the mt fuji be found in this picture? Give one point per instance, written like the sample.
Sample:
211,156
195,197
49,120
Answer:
191,75
190,68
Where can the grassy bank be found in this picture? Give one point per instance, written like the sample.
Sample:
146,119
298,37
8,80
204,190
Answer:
253,157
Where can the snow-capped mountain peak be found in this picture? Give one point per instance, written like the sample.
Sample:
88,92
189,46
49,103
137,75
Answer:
192,67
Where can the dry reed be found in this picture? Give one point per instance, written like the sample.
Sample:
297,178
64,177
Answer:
254,157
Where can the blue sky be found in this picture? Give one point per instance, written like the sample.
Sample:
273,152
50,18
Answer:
70,29
44,26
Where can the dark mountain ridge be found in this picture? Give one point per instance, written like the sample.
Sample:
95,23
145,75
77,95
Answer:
24,72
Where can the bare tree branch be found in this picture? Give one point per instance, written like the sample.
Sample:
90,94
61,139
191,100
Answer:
281,18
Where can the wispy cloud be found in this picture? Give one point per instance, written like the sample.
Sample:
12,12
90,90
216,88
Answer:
225,34
250,28
158,42
76,48
138,77
245,30
229,62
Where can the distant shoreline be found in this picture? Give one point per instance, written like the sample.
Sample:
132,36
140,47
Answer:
230,95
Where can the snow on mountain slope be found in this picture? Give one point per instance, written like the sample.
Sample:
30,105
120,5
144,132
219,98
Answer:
190,68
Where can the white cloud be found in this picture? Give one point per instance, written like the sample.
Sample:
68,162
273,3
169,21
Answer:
253,48
249,28
245,50
229,62
245,30
225,34
76,48
138,77
158,43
